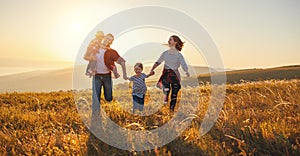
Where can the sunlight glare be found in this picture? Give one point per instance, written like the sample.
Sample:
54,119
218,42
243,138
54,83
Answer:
76,27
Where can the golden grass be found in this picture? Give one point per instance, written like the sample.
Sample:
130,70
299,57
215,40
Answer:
258,118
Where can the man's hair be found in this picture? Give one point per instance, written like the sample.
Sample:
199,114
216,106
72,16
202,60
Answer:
111,35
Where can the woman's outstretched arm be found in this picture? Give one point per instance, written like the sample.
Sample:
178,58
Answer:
155,65
158,62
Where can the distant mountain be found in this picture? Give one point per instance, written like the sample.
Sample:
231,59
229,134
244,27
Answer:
37,81
75,78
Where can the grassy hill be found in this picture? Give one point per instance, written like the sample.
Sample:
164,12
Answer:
258,118
278,73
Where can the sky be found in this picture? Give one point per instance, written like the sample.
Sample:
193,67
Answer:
248,34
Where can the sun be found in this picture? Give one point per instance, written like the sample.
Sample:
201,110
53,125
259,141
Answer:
66,39
76,26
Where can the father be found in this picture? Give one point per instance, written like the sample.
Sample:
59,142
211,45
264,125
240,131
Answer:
106,58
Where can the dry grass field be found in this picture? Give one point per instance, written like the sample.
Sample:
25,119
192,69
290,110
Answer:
257,118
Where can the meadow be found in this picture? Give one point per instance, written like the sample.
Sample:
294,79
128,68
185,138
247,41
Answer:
257,118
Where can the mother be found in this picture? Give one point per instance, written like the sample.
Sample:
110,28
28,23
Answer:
170,78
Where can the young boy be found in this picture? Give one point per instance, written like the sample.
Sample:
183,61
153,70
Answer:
139,87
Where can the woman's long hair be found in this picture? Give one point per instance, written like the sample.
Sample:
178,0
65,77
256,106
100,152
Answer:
179,44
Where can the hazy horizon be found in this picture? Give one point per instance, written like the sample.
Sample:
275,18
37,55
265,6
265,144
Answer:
11,70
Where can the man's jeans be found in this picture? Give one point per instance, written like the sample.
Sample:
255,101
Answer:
100,81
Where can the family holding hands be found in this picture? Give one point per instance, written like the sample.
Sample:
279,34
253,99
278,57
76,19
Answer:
101,66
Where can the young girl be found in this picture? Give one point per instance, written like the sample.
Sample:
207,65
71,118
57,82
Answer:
91,55
139,87
170,78
91,52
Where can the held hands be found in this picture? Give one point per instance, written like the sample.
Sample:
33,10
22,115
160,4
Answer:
151,73
125,76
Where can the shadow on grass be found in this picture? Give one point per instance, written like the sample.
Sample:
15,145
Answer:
177,147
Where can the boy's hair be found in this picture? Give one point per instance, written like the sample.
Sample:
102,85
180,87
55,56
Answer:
139,65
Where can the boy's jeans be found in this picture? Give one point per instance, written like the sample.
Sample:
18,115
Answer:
138,103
